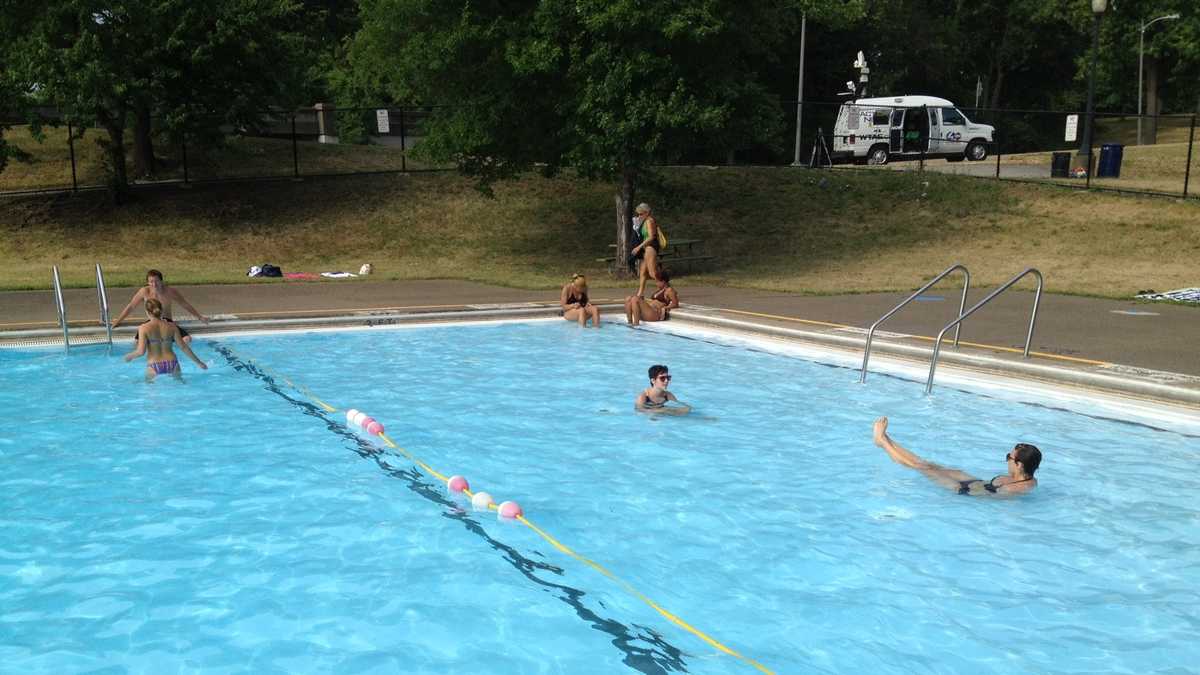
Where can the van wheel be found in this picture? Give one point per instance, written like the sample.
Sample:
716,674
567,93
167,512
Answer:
878,155
977,151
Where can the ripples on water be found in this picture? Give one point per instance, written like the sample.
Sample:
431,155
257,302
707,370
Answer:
227,523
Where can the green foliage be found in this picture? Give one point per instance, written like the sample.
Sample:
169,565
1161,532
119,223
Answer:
608,88
192,66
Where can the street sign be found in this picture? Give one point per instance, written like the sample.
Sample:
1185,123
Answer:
381,119
1072,127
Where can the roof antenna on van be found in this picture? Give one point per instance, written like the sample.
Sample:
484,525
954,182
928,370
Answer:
863,73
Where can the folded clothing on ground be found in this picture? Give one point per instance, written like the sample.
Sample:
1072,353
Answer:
1180,294
265,270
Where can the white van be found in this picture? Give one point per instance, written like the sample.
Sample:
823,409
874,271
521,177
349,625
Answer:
879,130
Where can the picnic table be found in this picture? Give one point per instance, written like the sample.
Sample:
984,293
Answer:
677,252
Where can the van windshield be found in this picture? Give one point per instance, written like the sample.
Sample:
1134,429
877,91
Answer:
953,116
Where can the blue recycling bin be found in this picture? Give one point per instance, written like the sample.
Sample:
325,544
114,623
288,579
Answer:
1110,160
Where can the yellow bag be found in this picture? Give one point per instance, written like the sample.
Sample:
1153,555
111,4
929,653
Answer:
662,237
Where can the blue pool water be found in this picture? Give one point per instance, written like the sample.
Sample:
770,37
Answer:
227,523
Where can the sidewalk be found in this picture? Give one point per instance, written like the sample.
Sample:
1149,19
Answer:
1154,336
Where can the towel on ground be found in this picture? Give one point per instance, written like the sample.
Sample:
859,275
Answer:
1180,294
300,275
338,275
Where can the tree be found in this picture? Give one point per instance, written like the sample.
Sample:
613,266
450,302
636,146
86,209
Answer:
608,89
189,65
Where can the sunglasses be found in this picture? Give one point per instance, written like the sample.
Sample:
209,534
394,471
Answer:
665,378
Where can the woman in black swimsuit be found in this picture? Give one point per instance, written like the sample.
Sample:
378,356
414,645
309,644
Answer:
647,251
575,304
1023,462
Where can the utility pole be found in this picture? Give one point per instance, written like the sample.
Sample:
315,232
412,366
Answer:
800,88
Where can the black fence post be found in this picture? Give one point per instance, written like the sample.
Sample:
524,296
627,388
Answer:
183,150
71,145
295,150
925,139
996,138
1187,171
403,150
1090,157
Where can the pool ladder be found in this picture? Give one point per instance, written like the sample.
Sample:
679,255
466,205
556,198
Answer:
102,298
956,324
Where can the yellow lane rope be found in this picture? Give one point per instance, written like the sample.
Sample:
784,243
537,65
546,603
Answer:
981,345
626,586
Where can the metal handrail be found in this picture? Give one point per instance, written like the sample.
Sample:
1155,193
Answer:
961,304
62,309
102,296
1037,298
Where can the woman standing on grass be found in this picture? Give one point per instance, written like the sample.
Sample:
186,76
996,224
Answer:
647,251
154,339
575,304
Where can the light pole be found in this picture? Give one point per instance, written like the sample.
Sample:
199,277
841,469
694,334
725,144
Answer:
1141,45
1084,158
800,88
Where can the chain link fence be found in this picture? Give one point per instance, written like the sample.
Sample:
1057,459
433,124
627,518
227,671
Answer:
889,133
924,134
321,141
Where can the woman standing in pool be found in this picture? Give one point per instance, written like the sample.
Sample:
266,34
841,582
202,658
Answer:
575,304
1023,462
655,397
154,339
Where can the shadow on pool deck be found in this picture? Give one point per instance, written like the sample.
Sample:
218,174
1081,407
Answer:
1123,337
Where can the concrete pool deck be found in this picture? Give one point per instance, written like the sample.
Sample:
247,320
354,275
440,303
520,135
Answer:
1137,348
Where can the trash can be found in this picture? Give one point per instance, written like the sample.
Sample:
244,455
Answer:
1060,165
1110,160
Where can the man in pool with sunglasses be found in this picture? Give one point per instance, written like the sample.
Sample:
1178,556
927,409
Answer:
1023,462
654,398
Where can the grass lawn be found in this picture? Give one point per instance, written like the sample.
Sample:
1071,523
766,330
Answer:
781,228
49,164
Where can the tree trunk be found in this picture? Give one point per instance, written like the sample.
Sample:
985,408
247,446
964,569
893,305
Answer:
114,147
997,88
1150,122
624,198
143,145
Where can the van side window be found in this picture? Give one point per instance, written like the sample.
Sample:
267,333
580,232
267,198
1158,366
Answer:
880,119
897,117
952,116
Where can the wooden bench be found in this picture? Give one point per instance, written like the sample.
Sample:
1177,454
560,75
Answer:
676,252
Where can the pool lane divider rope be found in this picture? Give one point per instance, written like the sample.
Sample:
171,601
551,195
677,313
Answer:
356,418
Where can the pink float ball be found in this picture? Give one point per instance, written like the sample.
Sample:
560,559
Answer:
458,484
374,428
482,500
366,422
510,510
350,415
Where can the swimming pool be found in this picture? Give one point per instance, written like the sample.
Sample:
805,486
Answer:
230,523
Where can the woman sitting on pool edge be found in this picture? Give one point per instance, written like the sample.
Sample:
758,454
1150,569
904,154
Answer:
654,398
575,304
658,307
1023,462
155,336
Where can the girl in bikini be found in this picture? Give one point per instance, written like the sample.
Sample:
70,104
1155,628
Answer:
658,307
575,304
154,338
